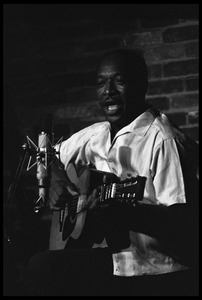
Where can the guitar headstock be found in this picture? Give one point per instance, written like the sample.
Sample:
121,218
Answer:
129,190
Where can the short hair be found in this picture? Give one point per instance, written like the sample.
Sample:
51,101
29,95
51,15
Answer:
135,63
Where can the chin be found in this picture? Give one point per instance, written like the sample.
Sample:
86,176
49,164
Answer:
113,119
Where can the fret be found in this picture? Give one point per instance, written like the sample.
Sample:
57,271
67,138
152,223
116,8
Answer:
109,192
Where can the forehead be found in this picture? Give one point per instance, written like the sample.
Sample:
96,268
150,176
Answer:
112,64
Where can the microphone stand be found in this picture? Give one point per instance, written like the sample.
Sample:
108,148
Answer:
13,186
18,173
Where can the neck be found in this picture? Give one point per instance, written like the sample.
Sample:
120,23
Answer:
115,127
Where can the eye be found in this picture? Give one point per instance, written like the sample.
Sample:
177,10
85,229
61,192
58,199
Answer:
100,82
120,80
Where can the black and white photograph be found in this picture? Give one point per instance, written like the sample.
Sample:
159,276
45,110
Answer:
100,149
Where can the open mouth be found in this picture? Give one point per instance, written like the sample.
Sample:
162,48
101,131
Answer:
113,109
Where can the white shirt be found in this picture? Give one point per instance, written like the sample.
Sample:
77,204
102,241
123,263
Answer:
146,147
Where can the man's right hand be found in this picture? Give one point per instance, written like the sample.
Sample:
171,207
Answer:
61,188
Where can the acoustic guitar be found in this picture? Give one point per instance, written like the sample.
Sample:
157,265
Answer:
112,190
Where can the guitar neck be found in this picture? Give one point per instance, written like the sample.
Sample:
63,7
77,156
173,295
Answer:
127,191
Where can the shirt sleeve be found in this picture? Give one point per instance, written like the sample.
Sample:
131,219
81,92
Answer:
167,173
73,147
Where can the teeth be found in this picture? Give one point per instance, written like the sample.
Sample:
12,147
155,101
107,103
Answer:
112,107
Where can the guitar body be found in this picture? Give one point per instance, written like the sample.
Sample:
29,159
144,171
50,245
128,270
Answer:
72,229
73,223
78,224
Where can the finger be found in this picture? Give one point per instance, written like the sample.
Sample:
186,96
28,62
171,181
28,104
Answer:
59,204
54,208
53,198
94,203
72,190
58,199
94,199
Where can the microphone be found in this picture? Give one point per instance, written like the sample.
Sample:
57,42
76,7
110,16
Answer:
43,159
45,154
42,174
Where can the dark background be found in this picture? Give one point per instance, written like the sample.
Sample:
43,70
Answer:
50,53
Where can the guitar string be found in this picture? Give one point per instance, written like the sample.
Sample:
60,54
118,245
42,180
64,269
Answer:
75,198
74,202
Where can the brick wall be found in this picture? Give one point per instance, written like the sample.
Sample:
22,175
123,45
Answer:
51,53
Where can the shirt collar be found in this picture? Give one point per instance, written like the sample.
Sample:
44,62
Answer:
141,124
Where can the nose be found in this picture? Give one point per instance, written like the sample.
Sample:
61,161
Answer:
109,88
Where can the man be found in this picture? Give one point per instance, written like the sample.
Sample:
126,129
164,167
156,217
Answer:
134,249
